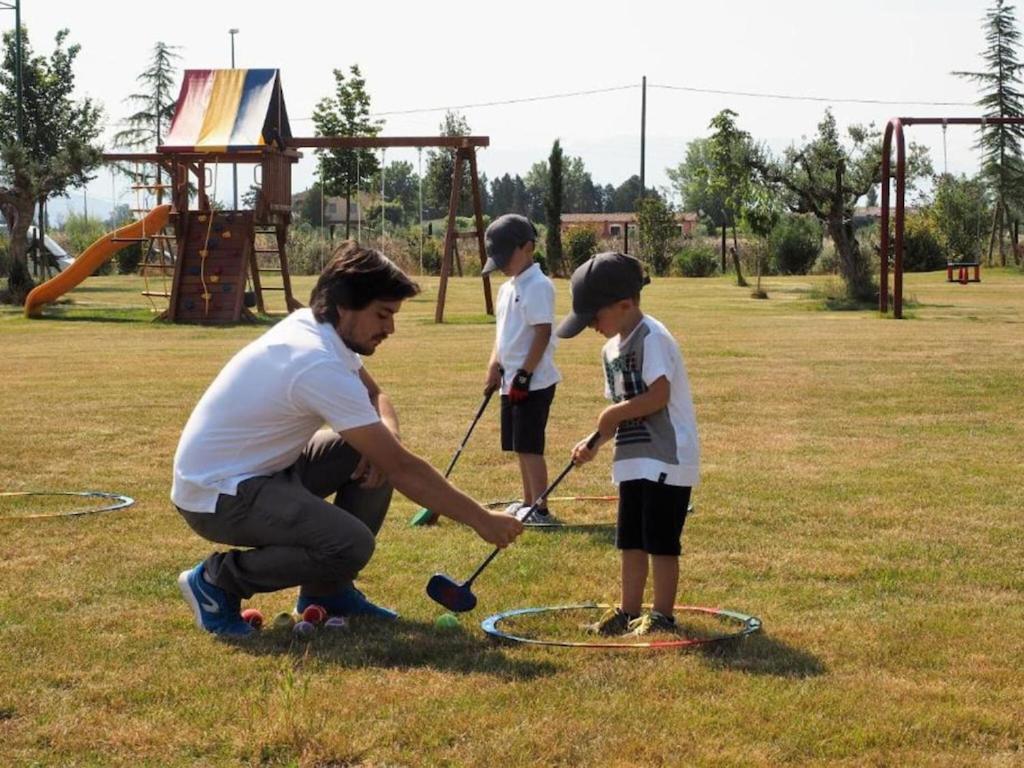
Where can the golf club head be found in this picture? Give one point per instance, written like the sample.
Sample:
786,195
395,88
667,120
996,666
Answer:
423,517
456,597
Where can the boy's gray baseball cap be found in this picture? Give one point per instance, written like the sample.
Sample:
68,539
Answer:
598,282
503,236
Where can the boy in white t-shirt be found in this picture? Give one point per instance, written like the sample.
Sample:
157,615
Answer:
521,361
657,455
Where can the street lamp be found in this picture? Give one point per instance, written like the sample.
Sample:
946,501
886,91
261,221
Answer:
234,167
16,7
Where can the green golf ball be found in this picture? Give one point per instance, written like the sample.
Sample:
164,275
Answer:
447,621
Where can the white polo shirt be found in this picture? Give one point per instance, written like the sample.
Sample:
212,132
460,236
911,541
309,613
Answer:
264,406
528,299
663,446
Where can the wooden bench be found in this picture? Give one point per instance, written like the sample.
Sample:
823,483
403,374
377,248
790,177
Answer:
963,271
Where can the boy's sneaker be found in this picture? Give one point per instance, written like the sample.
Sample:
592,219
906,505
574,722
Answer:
541,516
216,611
614,621
652,622
346,602
513,509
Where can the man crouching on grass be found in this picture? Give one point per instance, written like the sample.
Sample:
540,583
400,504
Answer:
254,467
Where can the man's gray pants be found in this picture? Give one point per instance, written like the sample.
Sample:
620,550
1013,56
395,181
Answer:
297,538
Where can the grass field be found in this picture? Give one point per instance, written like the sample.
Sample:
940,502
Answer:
862,494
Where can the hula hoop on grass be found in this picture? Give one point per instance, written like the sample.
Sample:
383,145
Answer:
114,501
745,625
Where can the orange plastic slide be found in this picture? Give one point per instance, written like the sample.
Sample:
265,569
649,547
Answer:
93,256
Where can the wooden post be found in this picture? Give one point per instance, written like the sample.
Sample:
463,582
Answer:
449,237
479,214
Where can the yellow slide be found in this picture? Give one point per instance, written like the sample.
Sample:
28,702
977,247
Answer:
93,256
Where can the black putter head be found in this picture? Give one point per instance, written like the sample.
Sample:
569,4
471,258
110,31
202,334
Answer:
456,597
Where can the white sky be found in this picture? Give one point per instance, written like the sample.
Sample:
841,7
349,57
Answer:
421,55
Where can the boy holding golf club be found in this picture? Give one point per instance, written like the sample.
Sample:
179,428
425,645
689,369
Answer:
656,454
521,363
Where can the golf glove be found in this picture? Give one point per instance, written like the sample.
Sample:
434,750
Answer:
520,388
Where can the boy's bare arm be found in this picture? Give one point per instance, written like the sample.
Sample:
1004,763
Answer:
541,339
653,400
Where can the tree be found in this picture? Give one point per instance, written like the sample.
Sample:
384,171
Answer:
692,180
961,211
580,194
402,186
656,229
537,180
55,152
728,175
346,113
826,177
553,207
154,109
311,205
437,176
1000,145
623,198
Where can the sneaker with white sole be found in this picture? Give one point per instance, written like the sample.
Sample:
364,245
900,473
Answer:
540,516
652,622
614,621
513,509
215,610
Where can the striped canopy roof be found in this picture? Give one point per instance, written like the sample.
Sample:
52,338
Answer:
228,110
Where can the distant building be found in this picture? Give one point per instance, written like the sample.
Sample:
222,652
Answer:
608,225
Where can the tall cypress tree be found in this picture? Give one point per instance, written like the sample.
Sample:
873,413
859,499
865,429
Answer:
553,206
1000,145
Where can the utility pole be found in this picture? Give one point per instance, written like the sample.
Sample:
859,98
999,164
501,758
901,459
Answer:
234,166
643,133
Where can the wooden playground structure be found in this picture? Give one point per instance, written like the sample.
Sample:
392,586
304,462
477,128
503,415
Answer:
219,268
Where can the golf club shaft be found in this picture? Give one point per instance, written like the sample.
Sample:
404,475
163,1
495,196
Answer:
479,413
536,504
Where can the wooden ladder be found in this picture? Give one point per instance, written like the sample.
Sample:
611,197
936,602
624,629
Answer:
277,237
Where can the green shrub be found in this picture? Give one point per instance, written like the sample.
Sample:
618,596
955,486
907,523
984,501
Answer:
578,245
923,248
696,259
794,245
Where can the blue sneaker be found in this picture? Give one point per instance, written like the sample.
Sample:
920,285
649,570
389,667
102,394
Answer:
216,611
346,602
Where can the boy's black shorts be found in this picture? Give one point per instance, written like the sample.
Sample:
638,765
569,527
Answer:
523,424
651,516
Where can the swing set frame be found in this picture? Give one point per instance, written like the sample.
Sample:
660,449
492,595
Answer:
894,130
465,152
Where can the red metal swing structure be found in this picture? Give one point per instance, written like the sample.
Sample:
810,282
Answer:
894,130
238,116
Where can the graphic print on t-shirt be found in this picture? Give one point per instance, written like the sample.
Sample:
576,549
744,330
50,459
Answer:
651,436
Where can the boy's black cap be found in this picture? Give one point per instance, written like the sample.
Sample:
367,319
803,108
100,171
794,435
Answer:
503,236
600,281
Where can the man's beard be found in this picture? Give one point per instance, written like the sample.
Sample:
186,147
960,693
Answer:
358,348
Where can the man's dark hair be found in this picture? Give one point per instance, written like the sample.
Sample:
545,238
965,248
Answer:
355,277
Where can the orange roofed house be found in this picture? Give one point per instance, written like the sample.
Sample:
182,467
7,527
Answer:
609,225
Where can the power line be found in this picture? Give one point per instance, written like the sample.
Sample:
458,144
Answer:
793,97
666,87
502,103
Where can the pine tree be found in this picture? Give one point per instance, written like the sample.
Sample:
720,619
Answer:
1000,145
346,113
154,110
